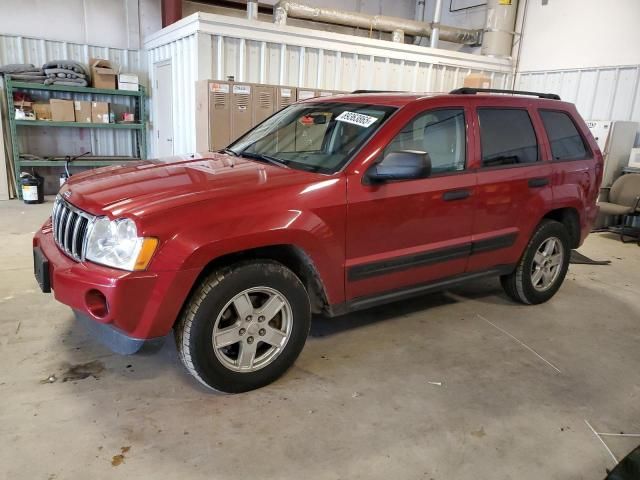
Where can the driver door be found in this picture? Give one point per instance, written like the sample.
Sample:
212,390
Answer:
411,232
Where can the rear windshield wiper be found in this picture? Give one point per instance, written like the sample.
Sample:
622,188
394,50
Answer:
265,158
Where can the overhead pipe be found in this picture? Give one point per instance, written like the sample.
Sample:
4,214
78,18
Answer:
285,8
499,31
437,14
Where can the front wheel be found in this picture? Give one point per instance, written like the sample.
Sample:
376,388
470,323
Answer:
543,265
244,326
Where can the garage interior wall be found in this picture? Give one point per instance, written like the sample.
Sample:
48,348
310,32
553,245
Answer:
80,30
591,59
22,49
120,24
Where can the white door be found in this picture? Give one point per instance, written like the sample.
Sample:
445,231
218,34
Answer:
164,108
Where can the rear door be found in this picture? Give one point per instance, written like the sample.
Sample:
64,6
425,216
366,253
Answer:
514,182
416,231
576,171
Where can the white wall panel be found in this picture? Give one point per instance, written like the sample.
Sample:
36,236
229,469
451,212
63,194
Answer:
17,49
607,93
182,54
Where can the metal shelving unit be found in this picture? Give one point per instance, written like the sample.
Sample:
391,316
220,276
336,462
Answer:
94,161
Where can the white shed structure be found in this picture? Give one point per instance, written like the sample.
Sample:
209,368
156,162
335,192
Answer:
207,46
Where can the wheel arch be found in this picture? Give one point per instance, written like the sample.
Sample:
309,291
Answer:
570,218
291,256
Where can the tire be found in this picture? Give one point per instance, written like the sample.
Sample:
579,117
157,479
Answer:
536,278
234,303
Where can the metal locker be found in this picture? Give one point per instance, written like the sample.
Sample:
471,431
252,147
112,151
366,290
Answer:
241,109
285,96
306,93
213,115
219,113
264,102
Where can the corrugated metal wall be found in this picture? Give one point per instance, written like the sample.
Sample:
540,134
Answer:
607,93
215,47
15,49
279,63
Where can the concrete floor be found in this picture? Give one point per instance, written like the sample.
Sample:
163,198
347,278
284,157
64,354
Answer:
459,385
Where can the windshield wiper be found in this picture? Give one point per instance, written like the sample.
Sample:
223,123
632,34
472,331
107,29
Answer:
228,151
265,158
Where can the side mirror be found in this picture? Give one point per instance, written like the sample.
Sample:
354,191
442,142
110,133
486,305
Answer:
403,165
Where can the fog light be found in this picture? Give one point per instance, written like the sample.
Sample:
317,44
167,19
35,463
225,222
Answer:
96,303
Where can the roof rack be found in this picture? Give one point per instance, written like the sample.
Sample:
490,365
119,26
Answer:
377,91
473,91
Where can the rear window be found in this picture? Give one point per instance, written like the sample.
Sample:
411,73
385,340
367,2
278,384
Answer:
566,142
507,137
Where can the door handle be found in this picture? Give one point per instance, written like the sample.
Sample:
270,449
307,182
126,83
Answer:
452,195
538,182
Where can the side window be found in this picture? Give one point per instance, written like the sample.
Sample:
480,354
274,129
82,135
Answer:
507,137
440,133
566,142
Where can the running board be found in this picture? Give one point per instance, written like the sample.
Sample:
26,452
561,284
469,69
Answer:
362,303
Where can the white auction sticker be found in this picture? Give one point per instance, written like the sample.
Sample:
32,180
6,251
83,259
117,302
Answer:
356,119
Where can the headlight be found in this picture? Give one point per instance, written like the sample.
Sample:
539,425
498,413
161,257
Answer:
115,243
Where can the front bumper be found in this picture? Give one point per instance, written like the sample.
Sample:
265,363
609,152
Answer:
114,339
139,305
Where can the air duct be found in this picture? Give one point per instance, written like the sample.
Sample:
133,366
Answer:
284,9
499,28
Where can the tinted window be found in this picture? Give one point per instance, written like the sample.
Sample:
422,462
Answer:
566,142
440,133
507,137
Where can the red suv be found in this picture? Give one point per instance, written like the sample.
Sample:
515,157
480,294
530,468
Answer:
331,205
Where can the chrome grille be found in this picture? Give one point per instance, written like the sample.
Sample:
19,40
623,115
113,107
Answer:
70,228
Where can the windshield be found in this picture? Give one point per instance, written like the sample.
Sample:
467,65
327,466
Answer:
320,137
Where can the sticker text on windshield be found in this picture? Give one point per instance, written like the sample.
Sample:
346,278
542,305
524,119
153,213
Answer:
356,119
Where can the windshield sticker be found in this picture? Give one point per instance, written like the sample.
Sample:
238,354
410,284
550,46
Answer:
356,119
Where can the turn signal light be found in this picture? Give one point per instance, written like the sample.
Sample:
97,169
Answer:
146,253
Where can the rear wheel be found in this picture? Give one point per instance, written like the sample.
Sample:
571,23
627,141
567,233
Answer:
543,265
244,326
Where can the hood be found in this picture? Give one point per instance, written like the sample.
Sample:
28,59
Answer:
150,186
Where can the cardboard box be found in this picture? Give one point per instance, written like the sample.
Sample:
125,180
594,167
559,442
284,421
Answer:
42,111
99,112
128,78
132,87
83,111
103,74
477,80
62,110
128,81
